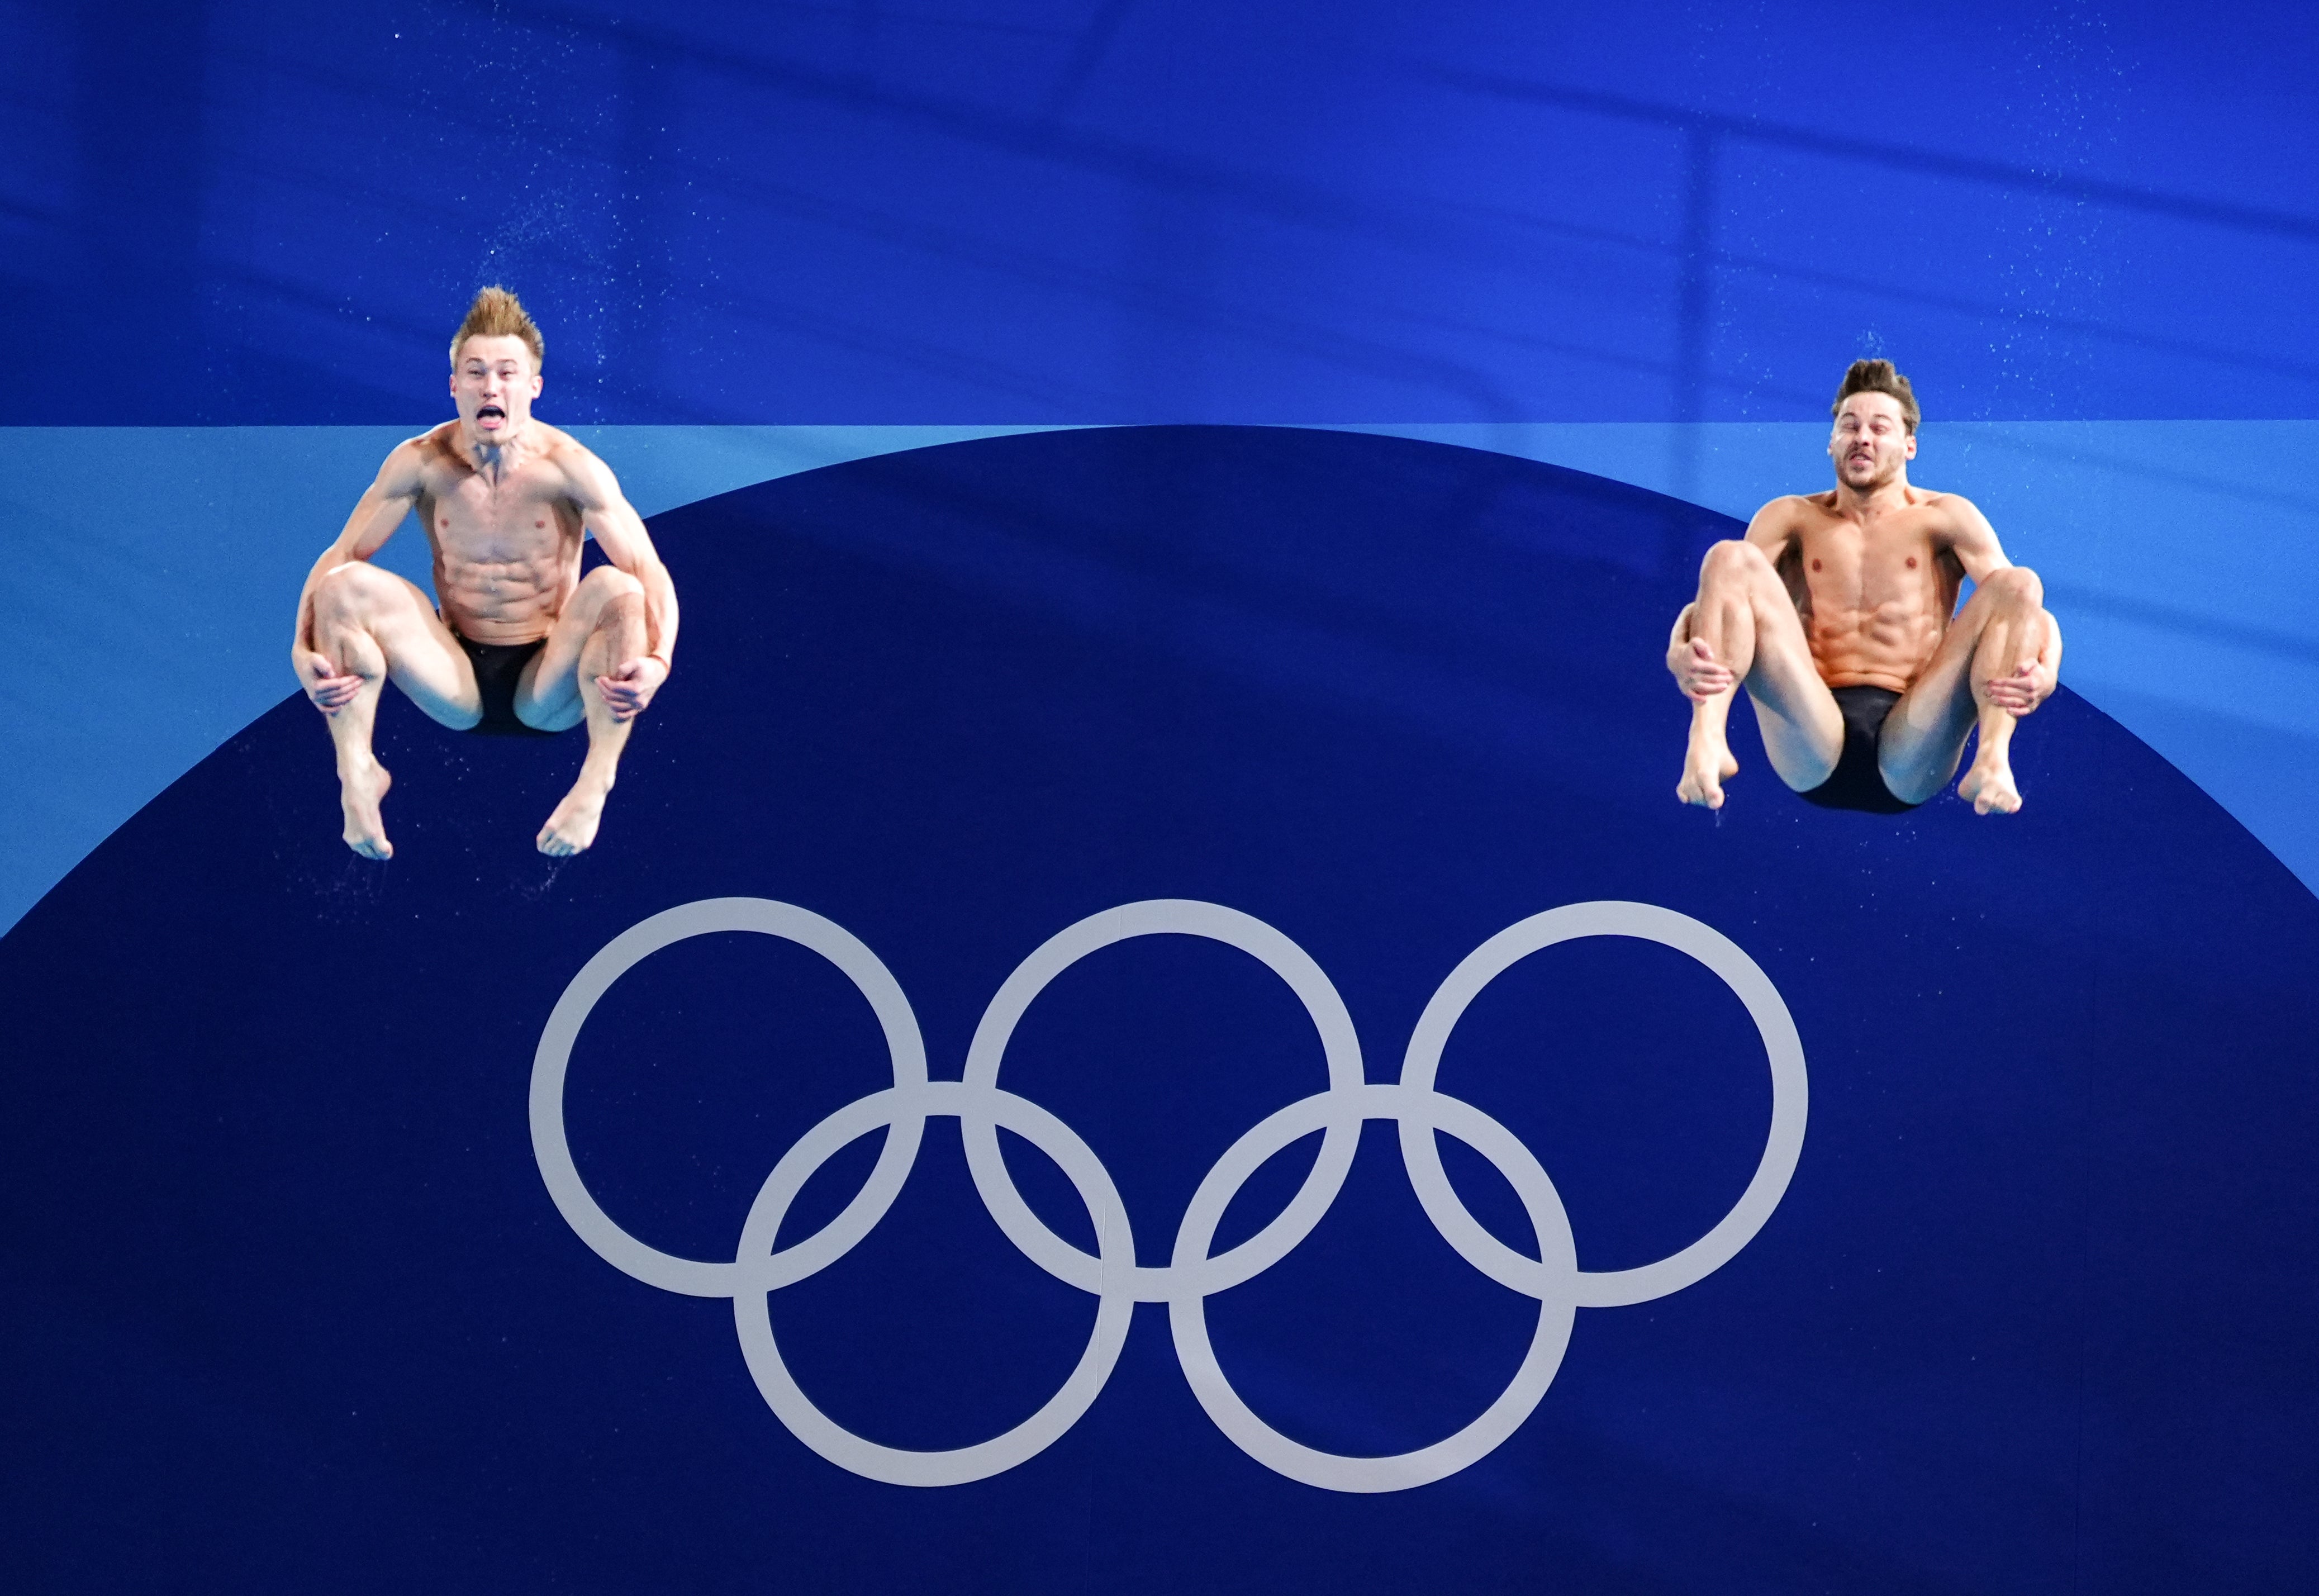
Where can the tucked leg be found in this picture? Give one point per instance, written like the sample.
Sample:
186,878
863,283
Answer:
2001,635
1745,621
373,623
601,629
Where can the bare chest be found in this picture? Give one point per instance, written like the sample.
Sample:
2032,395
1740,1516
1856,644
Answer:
520,517
1892,567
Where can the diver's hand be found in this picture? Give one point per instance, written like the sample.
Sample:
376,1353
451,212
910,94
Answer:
629,689
1697,671
326,689
2020,693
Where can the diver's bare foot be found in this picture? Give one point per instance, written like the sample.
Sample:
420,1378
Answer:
1988,788
1705,768
359,793
573,826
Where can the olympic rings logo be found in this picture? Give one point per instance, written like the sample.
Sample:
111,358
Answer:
1192,1274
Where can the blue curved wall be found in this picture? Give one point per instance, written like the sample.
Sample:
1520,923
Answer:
300,1308
1468,327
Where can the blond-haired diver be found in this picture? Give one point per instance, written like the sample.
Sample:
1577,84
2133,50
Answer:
521,643
1838,613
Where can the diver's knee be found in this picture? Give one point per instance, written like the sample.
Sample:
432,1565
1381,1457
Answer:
1733,559
619,613
2015,585
608,582
352,592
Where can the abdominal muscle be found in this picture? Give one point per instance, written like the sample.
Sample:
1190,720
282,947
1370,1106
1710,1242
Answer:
1886,642
502,586
1877,649
1875,602
502,599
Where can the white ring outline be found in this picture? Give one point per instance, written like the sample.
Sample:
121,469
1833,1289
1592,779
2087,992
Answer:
1340,1049
690,1276
1337,1471
1783,1141
1114,1306
1112,1274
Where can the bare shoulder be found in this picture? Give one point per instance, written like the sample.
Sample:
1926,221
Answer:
561,447
587,479
1952,513
1955,526
1938,502
1785,517
1800,507
408,463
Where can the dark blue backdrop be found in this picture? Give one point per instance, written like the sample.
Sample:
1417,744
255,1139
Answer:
256,211
290,1308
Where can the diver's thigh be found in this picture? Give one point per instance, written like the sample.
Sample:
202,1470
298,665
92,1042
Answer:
1925,734
1801,727
548,694
425,660
547,697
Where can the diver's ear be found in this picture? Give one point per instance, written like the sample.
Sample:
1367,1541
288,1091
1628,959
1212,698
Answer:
1909,452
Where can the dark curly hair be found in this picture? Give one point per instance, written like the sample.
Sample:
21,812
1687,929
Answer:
1879,376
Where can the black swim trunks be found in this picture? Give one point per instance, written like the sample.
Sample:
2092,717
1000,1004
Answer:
498,669
1856,783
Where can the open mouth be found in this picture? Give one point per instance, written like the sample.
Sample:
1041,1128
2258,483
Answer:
491,413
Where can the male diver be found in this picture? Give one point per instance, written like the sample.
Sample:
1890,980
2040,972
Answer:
1838,613
522,644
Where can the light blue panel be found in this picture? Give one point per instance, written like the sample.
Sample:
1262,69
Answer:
2182,557
152,571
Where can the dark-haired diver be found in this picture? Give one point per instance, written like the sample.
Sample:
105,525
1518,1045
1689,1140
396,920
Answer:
1837,611
522,643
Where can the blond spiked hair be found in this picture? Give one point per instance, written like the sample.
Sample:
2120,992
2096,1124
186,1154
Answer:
499,314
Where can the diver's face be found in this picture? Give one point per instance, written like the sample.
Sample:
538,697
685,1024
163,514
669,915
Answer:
493,385
1871,444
